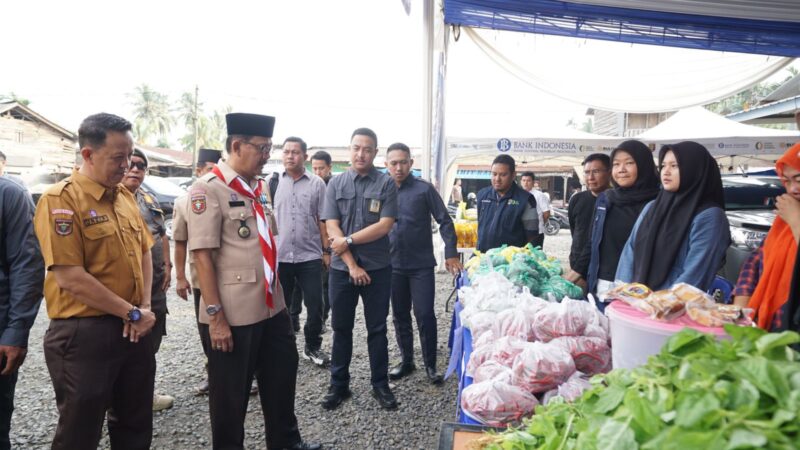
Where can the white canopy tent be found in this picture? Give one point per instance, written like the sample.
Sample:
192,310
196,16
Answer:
744,144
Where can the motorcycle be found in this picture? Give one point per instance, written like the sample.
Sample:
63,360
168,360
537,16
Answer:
558,220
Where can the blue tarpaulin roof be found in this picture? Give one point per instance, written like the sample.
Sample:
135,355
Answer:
594,21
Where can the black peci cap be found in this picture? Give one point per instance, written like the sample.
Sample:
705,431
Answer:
250,124
206,155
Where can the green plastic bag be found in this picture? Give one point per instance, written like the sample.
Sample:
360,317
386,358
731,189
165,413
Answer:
560,288
521,273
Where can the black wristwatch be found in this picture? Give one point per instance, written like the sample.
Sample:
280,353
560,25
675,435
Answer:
327,250
349,240
134,315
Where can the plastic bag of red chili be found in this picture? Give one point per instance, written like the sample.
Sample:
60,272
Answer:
568,318
497,403
541,367
592,355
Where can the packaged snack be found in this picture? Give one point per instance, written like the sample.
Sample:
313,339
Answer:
541,367
710,314
665,305
630,293
496,403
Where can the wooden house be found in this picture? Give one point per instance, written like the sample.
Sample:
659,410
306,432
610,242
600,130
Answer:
33,143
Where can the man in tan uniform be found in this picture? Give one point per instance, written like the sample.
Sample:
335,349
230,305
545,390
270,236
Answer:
206,160
97,251
231,237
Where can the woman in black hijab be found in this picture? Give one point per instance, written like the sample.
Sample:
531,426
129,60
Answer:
635,181
682,236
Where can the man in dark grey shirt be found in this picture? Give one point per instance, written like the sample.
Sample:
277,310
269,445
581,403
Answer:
360,210
21,284
413,280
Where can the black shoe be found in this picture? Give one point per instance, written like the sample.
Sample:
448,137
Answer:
401,370
335,397
433,377
385,397
317,357
303,446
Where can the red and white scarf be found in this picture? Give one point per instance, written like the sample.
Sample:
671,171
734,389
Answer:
269,250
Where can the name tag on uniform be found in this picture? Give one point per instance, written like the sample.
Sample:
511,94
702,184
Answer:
95,220
236,203
374,206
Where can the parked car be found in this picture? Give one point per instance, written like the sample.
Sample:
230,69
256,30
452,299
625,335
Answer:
750,207
182,182
164,191
40,182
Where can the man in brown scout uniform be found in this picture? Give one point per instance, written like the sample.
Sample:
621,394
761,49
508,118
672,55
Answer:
97,251
231,237
206,160
153,217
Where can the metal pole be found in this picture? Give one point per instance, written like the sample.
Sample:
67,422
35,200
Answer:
194,119
427,101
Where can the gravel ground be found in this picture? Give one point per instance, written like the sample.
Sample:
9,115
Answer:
358,424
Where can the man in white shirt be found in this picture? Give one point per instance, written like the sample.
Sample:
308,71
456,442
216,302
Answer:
542,205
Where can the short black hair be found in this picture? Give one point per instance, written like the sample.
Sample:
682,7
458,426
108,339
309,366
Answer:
399,146
2,156
230,139
322,155
528,173
605,160
507,160
296,139
365,132
93,130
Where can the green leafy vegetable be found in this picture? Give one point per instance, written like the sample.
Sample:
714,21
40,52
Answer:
697,393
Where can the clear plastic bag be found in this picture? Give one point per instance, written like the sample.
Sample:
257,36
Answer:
479,322
568,318
571,390
541,367
517,322
496,403
492,370
503,350
591,355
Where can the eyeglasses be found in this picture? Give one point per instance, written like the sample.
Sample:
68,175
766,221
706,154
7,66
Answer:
139,165
263,148
594,172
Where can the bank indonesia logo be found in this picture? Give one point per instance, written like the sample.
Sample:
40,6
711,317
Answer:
504,145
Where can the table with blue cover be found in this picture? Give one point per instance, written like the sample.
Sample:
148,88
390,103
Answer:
460,351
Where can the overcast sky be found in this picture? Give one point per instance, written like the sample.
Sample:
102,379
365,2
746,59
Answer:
322,67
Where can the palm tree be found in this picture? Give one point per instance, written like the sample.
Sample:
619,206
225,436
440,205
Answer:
13,97
151,112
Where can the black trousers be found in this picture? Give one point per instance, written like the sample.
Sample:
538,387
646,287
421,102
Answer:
7,385
415,288
296,306
266,349
94,369
196,295
344,299
306,276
